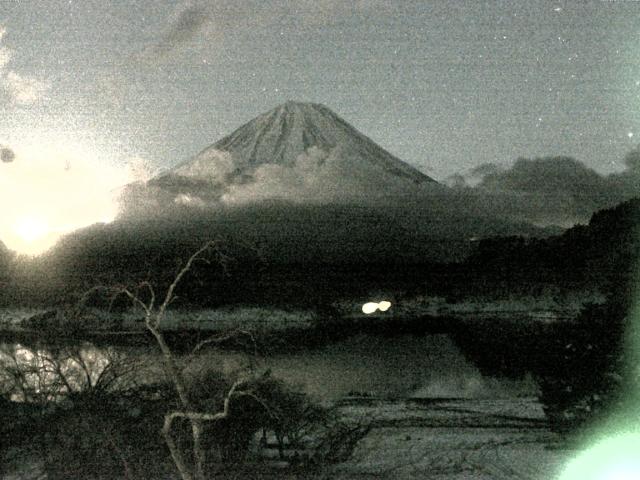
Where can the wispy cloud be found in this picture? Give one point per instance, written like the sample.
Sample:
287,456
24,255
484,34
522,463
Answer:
24,90
18,88
5,52
202,18
185,25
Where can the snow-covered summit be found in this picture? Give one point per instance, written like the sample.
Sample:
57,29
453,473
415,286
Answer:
283,136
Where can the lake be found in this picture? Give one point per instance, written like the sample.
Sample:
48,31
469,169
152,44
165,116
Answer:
399,366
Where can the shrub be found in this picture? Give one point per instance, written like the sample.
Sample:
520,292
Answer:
105,436
584,377
259,404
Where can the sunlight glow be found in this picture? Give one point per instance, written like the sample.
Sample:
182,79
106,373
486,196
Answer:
52,189
31,229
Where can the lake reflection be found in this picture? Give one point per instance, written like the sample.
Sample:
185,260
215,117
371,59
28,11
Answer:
400,366
44,373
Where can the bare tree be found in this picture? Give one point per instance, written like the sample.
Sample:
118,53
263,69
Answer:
154,314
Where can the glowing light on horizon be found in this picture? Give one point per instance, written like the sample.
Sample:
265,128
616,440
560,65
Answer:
30,228
49,190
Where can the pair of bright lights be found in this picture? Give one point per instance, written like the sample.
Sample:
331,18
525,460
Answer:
372,307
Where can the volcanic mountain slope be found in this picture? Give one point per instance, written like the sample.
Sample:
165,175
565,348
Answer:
302,152
283,134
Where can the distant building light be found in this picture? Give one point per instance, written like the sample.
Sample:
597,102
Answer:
371,307
384,306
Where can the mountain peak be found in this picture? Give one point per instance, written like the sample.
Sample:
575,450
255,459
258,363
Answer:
297,136
298,104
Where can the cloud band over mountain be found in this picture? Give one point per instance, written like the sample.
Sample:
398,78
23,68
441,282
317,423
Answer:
557,190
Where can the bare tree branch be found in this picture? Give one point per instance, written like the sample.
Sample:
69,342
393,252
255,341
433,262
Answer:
178,278
220,338
136,300
152,301
154,314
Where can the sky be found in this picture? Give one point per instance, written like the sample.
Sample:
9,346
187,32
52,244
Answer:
137,86
445,86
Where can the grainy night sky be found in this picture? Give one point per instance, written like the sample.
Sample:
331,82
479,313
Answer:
445,86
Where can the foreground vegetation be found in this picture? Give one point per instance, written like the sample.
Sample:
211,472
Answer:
107,424
114,415
94,419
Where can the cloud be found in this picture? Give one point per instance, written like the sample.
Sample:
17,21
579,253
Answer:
185,25
627,182
19,89
203,25
7,155
192,18
189,200
322,176
457,180
632,160
550,190
547,174
473,176
24,90
486,169
213,165
318,176
5,53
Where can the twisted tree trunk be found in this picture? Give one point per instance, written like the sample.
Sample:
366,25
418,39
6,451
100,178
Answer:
153,318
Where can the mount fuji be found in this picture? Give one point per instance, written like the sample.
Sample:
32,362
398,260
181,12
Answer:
289,131
301,152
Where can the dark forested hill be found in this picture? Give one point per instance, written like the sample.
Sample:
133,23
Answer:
313,255
602,254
